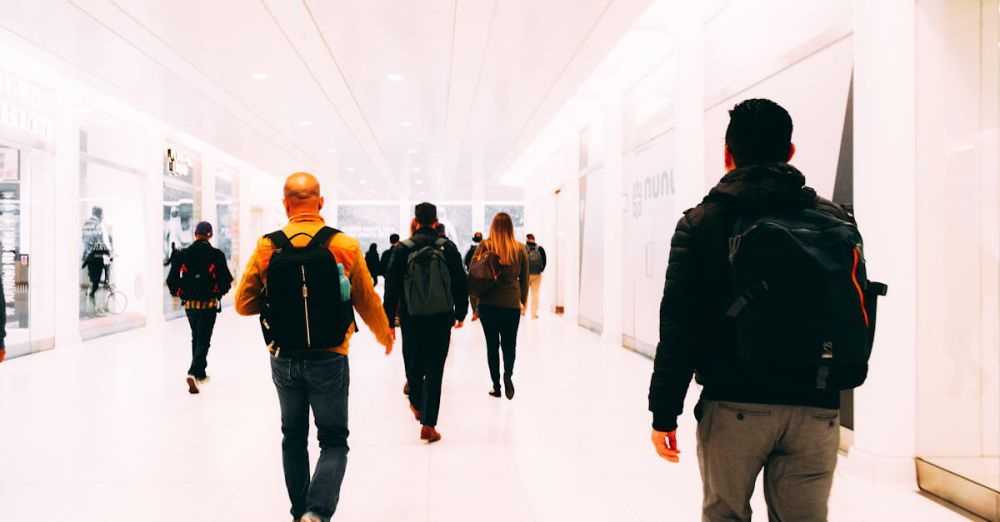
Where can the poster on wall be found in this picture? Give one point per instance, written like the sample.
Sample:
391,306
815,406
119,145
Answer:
516,215
370,224
652,213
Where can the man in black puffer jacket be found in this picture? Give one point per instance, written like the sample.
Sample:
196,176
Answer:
743,426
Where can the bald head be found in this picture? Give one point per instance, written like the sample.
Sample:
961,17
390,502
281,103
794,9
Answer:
302,194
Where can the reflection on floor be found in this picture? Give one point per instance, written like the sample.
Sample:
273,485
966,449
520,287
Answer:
107,432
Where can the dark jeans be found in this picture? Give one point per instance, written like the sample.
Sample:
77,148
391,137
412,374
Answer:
500,326
427,340
202,323
319,383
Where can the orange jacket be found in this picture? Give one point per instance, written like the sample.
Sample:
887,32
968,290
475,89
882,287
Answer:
346,250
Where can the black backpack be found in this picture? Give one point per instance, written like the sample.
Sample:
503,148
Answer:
427,285
307,299
199,279
805,309
534,260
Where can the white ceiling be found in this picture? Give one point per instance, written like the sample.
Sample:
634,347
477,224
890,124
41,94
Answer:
482,77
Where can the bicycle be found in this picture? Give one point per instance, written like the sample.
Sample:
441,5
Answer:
115,301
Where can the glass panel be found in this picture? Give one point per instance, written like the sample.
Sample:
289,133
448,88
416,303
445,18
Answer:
113,235
181,212
457,220
227,211
958,271
370,224
13,257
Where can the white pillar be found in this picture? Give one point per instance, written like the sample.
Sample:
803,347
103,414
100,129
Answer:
67,208
885,199
613,193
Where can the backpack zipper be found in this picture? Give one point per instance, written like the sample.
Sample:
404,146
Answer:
305,305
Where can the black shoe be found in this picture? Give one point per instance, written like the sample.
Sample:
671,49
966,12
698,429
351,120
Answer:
496,391
508,387
406,388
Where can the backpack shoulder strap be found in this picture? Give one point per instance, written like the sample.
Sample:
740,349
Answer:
323,236
440,242
279,239
408,243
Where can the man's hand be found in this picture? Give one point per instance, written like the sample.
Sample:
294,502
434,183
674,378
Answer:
459,324
665,443
388,347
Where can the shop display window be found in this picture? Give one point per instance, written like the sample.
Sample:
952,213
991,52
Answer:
181,212
13,254
516,215
227,211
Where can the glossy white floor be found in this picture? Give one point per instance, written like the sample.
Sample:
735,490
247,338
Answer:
107,432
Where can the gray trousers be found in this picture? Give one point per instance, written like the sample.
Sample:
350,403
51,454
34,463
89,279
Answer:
796,446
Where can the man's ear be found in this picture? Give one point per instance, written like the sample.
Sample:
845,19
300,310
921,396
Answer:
791,152
730,161
321,201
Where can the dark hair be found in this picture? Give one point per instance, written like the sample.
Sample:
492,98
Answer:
477,237
426,214
440,229
394,238
373,247
531,237
760,131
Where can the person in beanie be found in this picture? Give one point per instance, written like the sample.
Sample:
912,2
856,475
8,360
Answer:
200,277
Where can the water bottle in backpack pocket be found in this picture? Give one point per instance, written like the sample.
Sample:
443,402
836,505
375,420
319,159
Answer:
804,307
306,303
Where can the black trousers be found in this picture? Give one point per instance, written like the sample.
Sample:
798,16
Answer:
425,344
500,326
202,323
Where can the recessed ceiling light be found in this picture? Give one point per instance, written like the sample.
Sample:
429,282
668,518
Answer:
412,151
397,77
419,182
372,191
364,182
416,169
258,76
423,193
333,151
305,123
351,169
406,123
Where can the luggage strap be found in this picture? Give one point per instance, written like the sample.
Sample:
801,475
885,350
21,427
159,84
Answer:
282,241
746,297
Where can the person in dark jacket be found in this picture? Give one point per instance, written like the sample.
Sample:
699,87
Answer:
3,325
476,239
743,425
201,311
426,338
387,255
501,308
374,263
537,261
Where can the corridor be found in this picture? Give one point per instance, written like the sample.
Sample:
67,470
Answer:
129,443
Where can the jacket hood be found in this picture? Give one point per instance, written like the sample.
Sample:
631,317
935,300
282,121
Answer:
764,187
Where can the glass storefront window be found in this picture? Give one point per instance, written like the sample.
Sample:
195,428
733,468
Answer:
958,264
13,256
227,211
370,224
181,212
457,220
112,255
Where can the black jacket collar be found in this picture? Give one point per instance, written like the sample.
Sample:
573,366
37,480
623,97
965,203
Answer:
765,186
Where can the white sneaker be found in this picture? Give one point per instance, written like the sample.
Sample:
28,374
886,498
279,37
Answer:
192,384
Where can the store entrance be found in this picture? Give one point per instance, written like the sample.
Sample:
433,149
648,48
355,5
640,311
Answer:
14,257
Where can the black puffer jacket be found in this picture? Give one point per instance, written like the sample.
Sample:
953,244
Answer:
695,336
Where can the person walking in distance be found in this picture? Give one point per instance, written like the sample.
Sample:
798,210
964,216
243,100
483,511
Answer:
500,308
536,265
200,276
373,263
476,239
775,320
387,255
426,287
305,281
